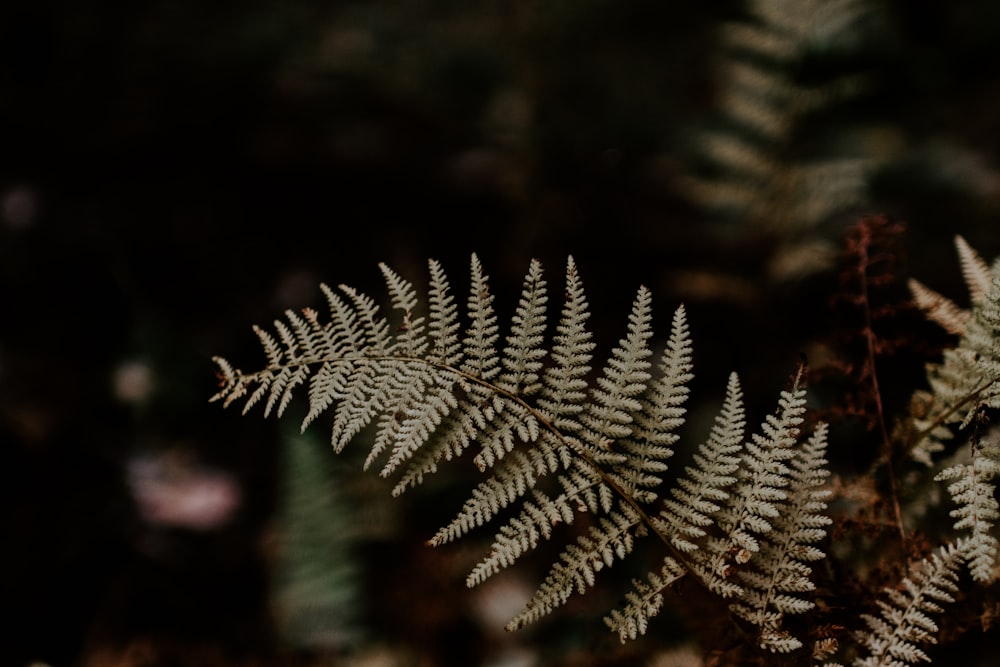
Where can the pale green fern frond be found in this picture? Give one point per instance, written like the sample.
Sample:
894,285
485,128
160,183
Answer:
974,491
758,493
968,377
554,444
698,494
964,387
645,601
942,310
904,624
774,584
976,272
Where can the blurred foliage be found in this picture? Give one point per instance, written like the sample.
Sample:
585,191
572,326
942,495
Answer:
318,597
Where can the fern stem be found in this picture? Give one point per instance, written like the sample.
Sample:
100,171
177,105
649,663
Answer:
944,416
869,333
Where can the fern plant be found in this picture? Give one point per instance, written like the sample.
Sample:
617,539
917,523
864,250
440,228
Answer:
756,171
964,386
557,438
903,624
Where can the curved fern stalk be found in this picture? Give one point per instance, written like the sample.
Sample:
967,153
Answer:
432,393
895,635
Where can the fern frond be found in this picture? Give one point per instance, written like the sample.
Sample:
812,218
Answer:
975,270
942,310
662,413
939,308
410,338
697,494
754,501
522,357
612,539
772,587
444,325
479,346
968,378
616,398
560,401
894,636
644,602
550,445
973,489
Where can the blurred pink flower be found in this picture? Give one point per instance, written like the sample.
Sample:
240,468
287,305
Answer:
173,492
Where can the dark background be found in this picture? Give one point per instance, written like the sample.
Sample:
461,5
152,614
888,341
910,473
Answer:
172,172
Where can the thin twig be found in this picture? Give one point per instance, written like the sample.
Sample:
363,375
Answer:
869,335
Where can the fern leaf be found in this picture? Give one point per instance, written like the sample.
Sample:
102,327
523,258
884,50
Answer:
895,635
975,270
444,324
648,447
480,340
523,355
612,539
939,308
968,378
411,339
565,381
753,502
974,491
771,588
696,495
644,602
432,389
616,398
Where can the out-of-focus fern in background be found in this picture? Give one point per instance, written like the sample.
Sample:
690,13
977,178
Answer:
318,592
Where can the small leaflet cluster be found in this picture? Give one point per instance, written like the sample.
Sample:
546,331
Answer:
963,387
743,519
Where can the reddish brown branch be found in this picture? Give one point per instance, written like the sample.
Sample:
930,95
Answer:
862,245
